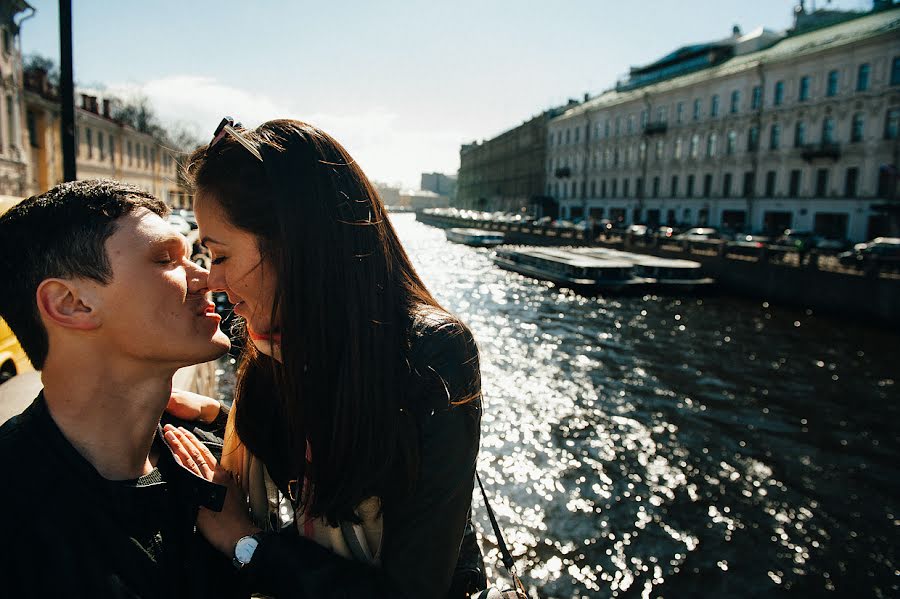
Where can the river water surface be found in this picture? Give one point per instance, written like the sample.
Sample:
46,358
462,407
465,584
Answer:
677,446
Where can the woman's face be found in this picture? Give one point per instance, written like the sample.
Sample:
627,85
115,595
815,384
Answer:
238,269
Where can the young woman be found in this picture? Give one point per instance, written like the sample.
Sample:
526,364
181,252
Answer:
355,425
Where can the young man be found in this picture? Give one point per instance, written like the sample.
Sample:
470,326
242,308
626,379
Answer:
98,289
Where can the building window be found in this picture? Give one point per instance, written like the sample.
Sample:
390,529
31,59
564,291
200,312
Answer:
775,137
731,144
593,188
689,192
678,149
645,116
779,93
112,149
606,129
735,101
794,184
862,77
749,183
577,133
857,127
660,147
661,115
89,138
655,187
799,134
568,135
832,88
697,108
756,99
827,130
642,152
603,188
31,123
714,106
695,143
895,71
850,182
100,145
892,123
711,145
630,124
618,126
639,187
804,89
770,184
707,185
616,157
615,188
674,186
822,182
626,184
726,185
679,112
753,139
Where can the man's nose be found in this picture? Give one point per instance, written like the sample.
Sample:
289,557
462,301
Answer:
198,278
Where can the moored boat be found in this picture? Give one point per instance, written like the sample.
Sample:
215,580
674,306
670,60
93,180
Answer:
656,271
568,269
475,237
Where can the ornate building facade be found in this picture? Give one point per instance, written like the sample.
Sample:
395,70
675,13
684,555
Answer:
757,132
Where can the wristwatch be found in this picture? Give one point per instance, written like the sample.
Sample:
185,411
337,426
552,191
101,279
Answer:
244,550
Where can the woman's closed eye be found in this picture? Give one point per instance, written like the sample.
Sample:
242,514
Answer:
219,260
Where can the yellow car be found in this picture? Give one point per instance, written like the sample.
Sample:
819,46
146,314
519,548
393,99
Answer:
13,360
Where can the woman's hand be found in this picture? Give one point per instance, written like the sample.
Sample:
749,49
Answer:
192,406
222,529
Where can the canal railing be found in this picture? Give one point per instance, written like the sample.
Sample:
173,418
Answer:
812,279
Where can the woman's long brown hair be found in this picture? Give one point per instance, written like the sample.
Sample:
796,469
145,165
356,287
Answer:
346,295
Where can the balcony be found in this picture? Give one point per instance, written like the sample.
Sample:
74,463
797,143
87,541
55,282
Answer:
826,149
655,128
563,172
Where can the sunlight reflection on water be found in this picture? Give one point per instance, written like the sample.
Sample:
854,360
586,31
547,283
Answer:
669,447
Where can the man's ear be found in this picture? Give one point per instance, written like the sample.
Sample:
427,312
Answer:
65,304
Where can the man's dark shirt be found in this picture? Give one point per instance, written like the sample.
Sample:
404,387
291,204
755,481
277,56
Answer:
69,532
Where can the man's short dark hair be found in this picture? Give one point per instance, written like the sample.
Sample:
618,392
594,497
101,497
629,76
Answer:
61,233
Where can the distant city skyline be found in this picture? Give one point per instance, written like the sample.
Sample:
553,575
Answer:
402,86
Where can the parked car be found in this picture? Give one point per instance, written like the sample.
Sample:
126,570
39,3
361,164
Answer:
638,230
831,244
881,251
699,234
180,224
752,240
13,360
666,232
799,240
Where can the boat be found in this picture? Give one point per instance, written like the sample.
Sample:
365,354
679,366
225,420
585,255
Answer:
475,237
568,269
655,271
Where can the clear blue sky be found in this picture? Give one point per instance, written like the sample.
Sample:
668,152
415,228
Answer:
402,84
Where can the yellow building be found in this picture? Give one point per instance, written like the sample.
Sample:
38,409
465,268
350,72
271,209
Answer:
105,147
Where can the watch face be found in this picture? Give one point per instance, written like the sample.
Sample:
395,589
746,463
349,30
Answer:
243,551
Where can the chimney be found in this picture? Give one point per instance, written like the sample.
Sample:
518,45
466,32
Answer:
85,101
587,96
736,31
106,107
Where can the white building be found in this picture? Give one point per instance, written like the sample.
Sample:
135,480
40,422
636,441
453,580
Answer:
754,132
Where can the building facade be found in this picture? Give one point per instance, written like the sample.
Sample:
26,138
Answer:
507,172
439,183
756,132
105,148
14,164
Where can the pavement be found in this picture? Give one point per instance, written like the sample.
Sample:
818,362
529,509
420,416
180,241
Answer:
17,393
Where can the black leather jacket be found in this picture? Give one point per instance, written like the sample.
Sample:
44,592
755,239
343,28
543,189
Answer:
428,547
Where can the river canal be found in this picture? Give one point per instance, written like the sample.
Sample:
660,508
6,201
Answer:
677,446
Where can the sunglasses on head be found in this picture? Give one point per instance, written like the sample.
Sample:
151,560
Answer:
228,126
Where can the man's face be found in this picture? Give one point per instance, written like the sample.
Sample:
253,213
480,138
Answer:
156,309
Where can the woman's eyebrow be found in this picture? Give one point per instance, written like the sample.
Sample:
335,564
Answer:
208,240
